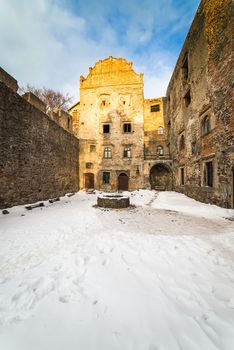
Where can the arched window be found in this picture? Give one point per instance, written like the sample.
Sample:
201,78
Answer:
160,151
181,143
160,130
107,152
205,125
127,151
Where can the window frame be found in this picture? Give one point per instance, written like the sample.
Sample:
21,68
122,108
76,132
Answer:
107,154
127,152
92,150
88,165
160,147
127,131
103,128
155,108
160,130
208,174
106,177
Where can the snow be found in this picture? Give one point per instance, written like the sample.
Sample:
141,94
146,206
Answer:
156,276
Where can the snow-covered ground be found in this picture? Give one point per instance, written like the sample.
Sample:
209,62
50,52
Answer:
157,276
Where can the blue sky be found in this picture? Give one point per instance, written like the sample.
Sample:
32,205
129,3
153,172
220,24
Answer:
52,42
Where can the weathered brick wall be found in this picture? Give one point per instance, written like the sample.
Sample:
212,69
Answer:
38,159
209,56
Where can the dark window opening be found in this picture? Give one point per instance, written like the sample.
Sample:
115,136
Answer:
182,143
194,147
182,176
106,128
205,125
103,103
185,70
187,98
68,123
106,177
208,174
107,152
92,148
89,165
127,127
127,151
155,108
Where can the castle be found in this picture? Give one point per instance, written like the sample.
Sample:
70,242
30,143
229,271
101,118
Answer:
122,135
114,139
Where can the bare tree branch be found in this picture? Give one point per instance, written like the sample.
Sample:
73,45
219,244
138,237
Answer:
53,99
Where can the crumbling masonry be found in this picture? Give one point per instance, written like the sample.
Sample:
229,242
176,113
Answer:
184,141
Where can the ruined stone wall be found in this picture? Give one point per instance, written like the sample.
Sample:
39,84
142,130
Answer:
38,159
199,93
8,80
111,94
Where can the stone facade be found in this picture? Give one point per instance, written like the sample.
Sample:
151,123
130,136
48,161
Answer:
200,108
38,159
157,162
110,120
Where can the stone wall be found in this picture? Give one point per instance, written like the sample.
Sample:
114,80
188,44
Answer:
38,159
35,101
111,94
8,80
200,108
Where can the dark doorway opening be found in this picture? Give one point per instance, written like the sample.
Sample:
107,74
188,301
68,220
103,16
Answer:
123,182
161,177
89,180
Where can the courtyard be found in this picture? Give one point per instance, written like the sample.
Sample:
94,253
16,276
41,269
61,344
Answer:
156,276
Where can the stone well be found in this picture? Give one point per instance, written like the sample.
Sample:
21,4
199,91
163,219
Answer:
113,201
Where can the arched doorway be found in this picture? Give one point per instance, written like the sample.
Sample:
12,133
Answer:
123,182
89,180
160,177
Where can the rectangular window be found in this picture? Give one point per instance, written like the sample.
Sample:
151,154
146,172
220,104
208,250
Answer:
106,177
155,108
106,128
127,127
182,176
208,174
92,148
107,152
89,165
127,151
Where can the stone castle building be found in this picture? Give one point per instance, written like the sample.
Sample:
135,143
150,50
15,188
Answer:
115,139
200,105
122,135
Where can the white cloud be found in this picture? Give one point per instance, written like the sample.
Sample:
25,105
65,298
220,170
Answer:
45,44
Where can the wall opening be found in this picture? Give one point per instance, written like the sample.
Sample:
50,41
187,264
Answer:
161,177
123,182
